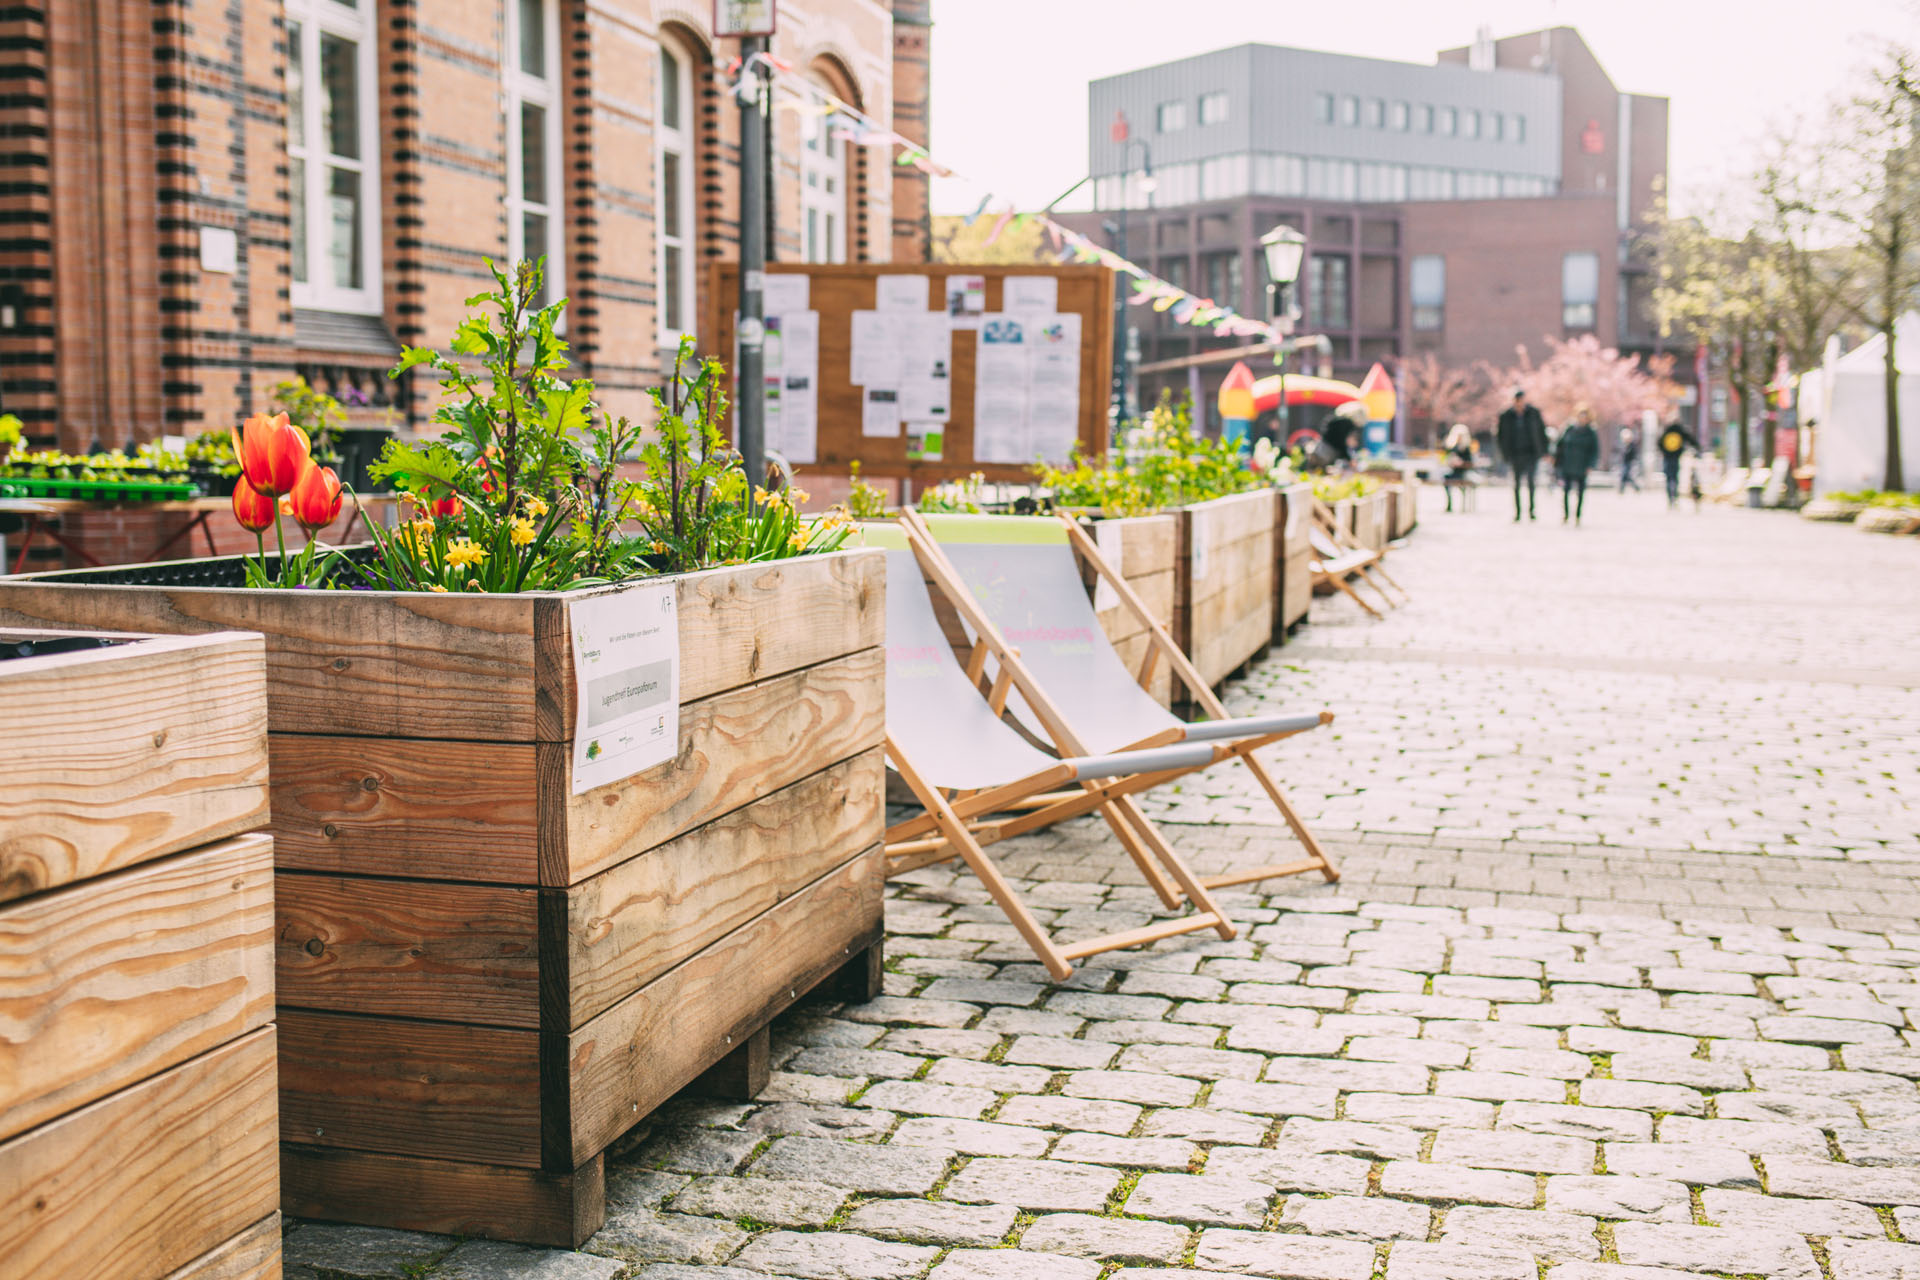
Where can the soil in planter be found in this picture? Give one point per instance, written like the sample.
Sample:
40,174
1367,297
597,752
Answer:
41,646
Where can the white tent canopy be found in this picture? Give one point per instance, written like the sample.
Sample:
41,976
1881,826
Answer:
1848,397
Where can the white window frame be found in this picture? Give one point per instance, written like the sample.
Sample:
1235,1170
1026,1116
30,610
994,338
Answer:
520,88
1170,117
680,141
359,26
1214,107
823,157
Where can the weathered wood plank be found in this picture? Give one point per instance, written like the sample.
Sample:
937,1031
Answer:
110,981
145,1180
405,807
627,926
118,755
254,1254
1234,517
1231,564
414,949
383,1084
637,1054
734,747
739,625
447,1196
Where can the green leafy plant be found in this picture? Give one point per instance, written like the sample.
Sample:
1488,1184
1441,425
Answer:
956,497
865,501
1332,489
1161,463
12,432
1876,498
313,411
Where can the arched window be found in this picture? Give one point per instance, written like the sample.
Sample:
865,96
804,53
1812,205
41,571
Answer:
823,189
531,79
674,183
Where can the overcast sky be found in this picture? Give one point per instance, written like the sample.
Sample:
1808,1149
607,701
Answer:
1010,76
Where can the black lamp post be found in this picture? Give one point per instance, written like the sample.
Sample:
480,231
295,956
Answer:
1283,248
1122,365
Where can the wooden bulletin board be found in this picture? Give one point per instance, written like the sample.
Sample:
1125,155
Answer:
839,291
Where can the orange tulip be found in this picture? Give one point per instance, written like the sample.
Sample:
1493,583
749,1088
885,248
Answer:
316,499
273,453
447,506
253,509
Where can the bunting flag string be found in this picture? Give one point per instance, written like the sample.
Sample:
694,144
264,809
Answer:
842,120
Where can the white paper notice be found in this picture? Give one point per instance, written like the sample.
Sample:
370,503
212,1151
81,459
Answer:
966,300
1030,293
875,359
926,357
880,412
900,293
626,668
1053,399
793,432
785,293
1108,540
1000,378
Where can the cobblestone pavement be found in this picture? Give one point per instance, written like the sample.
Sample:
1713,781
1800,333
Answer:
1485,1056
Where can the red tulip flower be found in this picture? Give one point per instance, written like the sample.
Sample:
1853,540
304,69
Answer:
447,506
273,453
316,498
253,509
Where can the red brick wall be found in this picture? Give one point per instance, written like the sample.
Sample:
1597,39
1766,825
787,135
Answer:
912,91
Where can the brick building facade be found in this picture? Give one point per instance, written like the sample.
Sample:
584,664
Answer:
206,196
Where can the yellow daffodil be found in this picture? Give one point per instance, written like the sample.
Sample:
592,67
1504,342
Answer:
800,538
522,531
536,508
462,552
659,548
436,587
798,495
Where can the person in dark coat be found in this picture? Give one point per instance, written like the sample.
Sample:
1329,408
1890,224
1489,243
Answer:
1575,453
1675,440
1522,437
1629,460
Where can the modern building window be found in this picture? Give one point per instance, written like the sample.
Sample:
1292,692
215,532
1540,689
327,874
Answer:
1579,289
1426,117
1430,184
1331,179
532,84
1448,122
1223,278
1519,128
1170,117
674,147
1323,108
333,157
1328,294
1383,182
1279,175
1223,177
1470,122
823,190
1213,108
1376,113
1349,110
1397,117
1427,290
1497,127
1174,272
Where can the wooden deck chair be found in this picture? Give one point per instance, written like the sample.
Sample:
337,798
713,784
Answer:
965,764
1337,567
1344,543
1013,579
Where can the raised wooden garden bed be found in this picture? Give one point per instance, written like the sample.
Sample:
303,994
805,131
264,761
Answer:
138,1126
485,979
1292,578
1223,581
1146,562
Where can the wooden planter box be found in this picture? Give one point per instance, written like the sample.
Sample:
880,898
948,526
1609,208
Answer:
1223,581
485,979
1292,578
1147,564
1370,520
1402,488
138,1124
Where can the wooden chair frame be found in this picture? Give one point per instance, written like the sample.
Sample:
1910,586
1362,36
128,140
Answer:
1329,524
1161,648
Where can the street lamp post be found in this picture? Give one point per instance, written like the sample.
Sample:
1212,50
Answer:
1122,363
1283,248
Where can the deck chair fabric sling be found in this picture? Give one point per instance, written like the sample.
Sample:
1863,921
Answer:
963,762
1015,579
1338,566
1329,524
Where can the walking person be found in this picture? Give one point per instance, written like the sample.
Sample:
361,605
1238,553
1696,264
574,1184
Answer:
1629,461
1459,455
1574,454
1522,437
1675,440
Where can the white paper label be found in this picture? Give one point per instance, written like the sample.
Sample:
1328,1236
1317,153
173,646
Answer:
1030,293
1199,552
626,672
900,293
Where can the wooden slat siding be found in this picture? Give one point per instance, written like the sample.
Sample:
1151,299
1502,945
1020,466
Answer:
1146,562
145,1180
737,625
409,948
115,979
636,1055
1232,627
734,747
418,665
415,1193
1226,618
629,925
387,1084
447,810
253,1254
1293,550
119,755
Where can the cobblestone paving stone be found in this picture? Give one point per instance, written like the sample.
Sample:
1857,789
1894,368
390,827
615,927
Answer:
1564,1036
